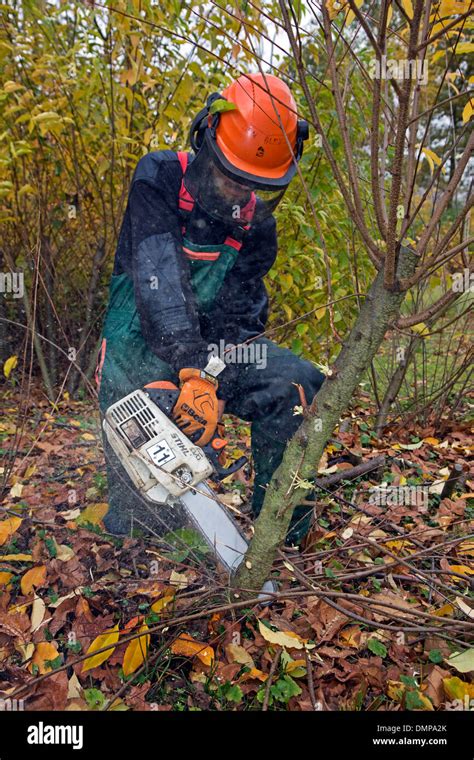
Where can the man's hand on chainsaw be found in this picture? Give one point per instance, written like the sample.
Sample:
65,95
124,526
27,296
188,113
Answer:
196,410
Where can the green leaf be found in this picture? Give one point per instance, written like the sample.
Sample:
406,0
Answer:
220,105
234,694
285,688
377,647
94,698
462,661
409,681
435,656
413,701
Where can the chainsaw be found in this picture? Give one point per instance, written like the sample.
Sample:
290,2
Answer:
167,468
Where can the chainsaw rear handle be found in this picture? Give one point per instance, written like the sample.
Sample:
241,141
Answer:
165,394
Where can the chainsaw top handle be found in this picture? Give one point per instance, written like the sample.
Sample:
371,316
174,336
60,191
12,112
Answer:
164,394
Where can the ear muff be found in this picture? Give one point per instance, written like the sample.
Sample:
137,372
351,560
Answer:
201,122
302,134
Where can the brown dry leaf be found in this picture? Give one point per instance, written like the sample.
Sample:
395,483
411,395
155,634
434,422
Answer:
186,645
8,528
34,577
236,653
350,636
64,552
136,652
434,688
38,610
44,652
382,613
74,689
50,694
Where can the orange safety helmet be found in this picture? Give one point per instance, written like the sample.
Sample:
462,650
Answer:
255,145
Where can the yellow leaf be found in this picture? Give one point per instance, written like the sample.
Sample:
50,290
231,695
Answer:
283,638
94,514
8,528
108,638
468,111
350,13
186,645
420,328
408,7
464,47
432,159
136,652
30,471
454,688
16,490
44,651
466,547
389,14
163,602
395,690
36,576
462,570
431,441
88,437
10,364
254,673
5,578
12,86
178,579
16,557
46,116
294,665
445,611
453,7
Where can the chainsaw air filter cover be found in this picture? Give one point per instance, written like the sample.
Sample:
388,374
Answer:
158,457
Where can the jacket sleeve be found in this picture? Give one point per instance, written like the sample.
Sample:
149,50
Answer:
161,276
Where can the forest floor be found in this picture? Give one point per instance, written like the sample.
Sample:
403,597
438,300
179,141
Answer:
376,611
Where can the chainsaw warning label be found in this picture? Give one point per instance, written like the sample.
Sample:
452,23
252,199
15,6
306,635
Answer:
160,453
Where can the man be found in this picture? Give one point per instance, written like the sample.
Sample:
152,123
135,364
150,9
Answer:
197,239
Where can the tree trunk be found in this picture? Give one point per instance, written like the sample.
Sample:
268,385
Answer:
285,491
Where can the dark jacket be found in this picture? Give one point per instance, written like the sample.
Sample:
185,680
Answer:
150,246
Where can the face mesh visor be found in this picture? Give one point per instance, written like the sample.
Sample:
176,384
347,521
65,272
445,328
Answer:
225,199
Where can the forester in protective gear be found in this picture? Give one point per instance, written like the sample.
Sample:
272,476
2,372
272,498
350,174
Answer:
197,239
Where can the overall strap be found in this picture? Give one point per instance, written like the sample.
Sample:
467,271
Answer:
186,200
